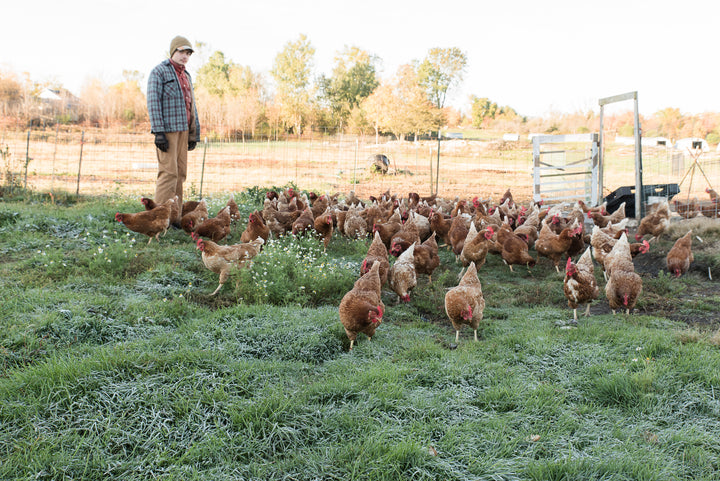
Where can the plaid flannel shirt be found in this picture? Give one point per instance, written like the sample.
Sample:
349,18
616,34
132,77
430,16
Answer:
166,105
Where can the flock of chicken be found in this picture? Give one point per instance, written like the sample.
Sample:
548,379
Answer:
409,229
693,207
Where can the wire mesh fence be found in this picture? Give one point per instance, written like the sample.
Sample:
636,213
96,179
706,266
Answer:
93,162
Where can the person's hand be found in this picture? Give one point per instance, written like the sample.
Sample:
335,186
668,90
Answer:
161,142
191,144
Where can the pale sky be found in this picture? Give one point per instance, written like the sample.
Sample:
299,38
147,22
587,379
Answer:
536,57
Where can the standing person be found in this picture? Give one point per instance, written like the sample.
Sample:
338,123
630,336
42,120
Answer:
173,120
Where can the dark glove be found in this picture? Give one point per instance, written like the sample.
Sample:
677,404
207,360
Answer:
191,144
161,142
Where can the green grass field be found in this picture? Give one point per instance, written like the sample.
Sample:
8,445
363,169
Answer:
115,363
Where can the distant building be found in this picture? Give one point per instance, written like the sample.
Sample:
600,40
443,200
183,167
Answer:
50,95
453,135
692,144
55,103
644,141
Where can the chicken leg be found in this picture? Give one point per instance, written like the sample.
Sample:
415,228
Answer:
216,290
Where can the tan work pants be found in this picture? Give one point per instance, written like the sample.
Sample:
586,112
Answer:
172,168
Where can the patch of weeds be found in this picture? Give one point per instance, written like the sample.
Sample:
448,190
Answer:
687,336
664,285
8,218
294,270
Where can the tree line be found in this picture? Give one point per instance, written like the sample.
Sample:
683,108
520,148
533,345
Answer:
236,101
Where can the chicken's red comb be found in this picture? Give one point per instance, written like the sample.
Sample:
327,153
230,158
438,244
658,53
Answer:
569,263
380,311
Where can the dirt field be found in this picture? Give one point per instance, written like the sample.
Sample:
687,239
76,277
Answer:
126,164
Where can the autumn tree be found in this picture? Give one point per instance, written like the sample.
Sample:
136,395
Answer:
231,95
125,99
453,116
484,111
670,122
401,106
29,92
358,121
441,70
247,108
292,70
353,79
212,86
422,115
373,110
10,93
93,94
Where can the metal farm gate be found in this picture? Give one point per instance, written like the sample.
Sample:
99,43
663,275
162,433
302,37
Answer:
566,168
